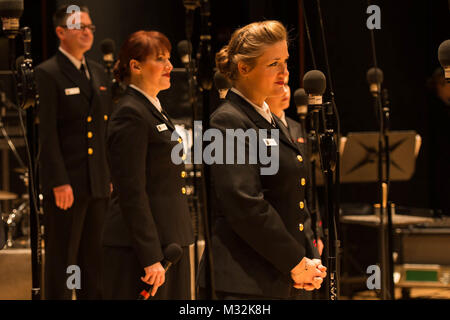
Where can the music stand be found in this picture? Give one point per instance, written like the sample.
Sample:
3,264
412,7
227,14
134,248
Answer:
359,156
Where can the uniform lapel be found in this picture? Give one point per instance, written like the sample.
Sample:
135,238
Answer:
258,119
296,132
95,85
249,110
151,107
74,75
286,137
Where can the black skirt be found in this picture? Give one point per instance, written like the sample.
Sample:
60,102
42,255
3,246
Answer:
122,276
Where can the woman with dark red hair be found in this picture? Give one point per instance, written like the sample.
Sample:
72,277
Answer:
149,208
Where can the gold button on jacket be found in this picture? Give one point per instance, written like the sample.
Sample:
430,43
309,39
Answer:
90,151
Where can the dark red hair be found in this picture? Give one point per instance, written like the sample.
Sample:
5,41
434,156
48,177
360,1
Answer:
139,46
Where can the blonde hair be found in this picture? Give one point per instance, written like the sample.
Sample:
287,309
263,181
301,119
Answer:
247,44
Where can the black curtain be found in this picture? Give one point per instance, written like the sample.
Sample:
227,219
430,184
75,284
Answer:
407,43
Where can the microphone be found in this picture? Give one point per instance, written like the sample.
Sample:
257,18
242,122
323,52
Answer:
184,48
222,84
444,58
375,79
301,101
10,13
172,254
315,84
27,43
108,47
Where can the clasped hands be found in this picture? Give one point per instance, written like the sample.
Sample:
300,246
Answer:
308,274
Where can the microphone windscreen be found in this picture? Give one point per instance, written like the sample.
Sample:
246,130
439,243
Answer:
172,253
11,8
444,53
314,82
184,47
221,82
374,76
300,97
107,46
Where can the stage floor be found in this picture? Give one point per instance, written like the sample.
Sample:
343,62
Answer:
15,280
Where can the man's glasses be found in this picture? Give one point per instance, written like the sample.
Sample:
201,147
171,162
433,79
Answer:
82,27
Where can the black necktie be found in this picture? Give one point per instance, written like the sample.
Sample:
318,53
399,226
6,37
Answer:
83,72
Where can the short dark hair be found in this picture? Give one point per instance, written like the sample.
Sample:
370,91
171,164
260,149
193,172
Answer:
61,15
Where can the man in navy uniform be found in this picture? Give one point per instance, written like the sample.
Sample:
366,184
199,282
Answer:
75,104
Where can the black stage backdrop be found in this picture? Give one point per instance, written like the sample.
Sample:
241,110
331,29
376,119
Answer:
407,43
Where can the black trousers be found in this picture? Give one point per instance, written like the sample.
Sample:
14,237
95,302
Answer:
73,237
122,276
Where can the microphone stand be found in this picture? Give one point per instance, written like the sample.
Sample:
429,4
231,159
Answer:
313,136
193,98
385,229
327,154
332,185
28,98
314,199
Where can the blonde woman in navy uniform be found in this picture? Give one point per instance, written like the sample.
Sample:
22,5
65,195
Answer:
262,241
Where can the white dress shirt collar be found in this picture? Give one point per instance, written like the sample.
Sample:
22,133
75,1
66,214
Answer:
154,101
77,63
264,111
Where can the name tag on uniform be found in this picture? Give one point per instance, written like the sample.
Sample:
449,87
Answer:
72,91
270,142
161,127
